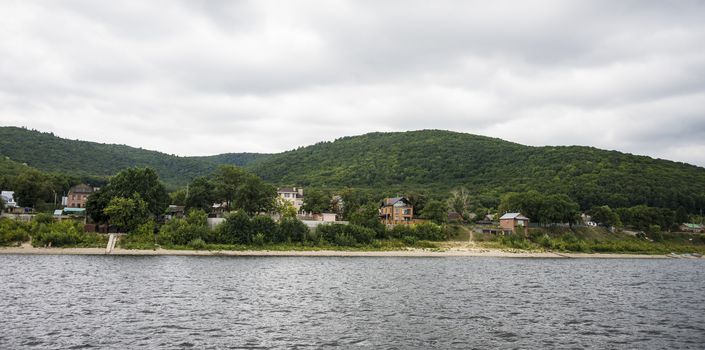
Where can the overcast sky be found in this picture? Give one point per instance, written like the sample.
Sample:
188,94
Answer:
206,77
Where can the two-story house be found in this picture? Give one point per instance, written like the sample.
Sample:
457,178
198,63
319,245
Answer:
8,199
514,223
294,195
78,195
395,211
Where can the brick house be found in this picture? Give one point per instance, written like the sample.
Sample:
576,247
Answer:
78,195
511,222
395,211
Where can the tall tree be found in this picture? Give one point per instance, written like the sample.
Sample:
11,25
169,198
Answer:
143,181
436,211
460,202
201,194
227,179
254,196
316,201
127,213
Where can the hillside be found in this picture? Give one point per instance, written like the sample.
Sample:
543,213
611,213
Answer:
430,161
237,159
438,161
49,153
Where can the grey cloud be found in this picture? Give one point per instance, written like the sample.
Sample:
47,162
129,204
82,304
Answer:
205,77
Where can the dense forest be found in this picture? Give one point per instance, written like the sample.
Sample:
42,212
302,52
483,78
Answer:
428,161
49,153
435,161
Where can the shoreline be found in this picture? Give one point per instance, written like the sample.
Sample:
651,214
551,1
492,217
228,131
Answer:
494,253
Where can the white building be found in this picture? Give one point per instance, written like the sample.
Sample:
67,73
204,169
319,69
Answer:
294,195
8,198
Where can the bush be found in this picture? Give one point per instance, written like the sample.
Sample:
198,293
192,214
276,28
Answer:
141,238
346,235
259,239
268,228
184,231
65,233
409,240
13,231
293,229
236,229
429,231
197,244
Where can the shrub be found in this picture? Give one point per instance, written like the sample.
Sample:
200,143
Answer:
400,231
259,239
183,231
293,229
268,228
429,231
65,233
236,229
409,240
197,244
346,235
13,231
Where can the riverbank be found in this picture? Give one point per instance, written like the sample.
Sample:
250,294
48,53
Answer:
333,253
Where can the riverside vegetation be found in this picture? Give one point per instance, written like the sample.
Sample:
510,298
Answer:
466,174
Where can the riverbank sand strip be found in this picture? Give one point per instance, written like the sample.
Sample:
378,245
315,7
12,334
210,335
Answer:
325,253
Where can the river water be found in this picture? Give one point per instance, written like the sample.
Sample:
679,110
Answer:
349,302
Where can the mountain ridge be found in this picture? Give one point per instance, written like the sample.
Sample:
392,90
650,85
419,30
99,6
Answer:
434,161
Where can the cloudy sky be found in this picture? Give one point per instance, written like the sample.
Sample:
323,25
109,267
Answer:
205,77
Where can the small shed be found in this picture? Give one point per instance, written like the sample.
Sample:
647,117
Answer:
512,222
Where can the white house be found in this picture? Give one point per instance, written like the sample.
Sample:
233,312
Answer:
294,195
8,198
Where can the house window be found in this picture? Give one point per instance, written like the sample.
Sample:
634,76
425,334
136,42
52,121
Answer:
287,195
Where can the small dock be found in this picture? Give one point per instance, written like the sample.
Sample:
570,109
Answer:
111,243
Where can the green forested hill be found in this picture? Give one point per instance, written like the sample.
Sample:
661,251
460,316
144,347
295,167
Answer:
237,159
430,161
441,160
47,152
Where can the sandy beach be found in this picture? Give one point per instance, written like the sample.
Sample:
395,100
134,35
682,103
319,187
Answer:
327,253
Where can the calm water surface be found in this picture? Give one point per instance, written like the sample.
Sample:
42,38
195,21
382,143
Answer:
306,302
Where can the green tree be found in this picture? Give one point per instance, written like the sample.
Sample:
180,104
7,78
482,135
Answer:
460,202
236,229
201,194
143,181
436,211
178,197
605,215
368,216
227,179
254,195
32,189
265,225
316,201
293,229
284,208
127,213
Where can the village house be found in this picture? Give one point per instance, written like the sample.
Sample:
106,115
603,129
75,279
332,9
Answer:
692,228
78,195
8,199
395,211
511,222
294,195
175,212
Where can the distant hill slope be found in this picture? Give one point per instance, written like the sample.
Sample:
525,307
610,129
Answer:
441,160
428,160
49,153
237,159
